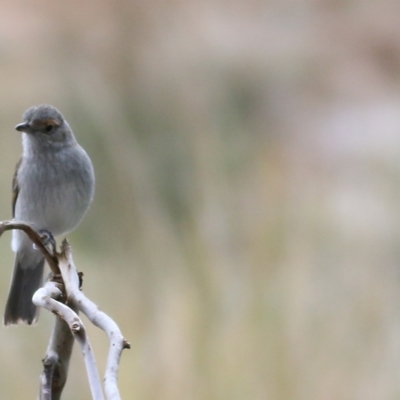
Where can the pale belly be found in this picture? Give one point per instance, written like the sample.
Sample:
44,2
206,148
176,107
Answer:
57,204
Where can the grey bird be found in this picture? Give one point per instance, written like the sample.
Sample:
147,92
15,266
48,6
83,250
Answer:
53,187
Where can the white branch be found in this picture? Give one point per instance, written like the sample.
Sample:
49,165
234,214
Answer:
58,354
99,319
69,326
117,343
56,361
43,298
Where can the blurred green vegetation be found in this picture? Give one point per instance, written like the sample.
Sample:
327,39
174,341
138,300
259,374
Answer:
245,230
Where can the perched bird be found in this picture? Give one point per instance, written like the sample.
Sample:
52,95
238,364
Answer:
53,187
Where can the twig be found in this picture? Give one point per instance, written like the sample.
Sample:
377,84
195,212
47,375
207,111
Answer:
98,318
68,325
56,361
35,238
44,298
58,354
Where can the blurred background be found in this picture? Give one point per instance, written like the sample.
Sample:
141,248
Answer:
245,233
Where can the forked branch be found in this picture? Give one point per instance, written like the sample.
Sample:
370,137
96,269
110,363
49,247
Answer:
68,325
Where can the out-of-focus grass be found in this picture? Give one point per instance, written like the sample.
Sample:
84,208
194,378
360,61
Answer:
244,233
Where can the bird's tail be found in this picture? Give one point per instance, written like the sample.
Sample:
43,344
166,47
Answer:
24,283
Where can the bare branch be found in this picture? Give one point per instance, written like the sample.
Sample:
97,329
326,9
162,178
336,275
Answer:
99,319
69,326
43,298
56,361
35,238
58,354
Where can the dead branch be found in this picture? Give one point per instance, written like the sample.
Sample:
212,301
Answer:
98,318
36,240
56,361
68,325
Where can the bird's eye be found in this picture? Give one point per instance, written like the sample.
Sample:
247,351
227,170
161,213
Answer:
49,128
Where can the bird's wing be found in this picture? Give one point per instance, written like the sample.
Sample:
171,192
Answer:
15,187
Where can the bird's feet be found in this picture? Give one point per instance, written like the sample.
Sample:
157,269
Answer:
48,240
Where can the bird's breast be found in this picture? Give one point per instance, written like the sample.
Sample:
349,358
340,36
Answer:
55,192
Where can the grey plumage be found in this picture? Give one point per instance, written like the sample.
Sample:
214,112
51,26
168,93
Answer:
52,189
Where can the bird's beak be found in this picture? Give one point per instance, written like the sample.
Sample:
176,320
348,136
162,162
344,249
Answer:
23,127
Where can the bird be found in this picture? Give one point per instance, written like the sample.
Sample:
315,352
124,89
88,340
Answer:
52,189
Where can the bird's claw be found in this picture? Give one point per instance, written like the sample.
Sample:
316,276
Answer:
48,240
